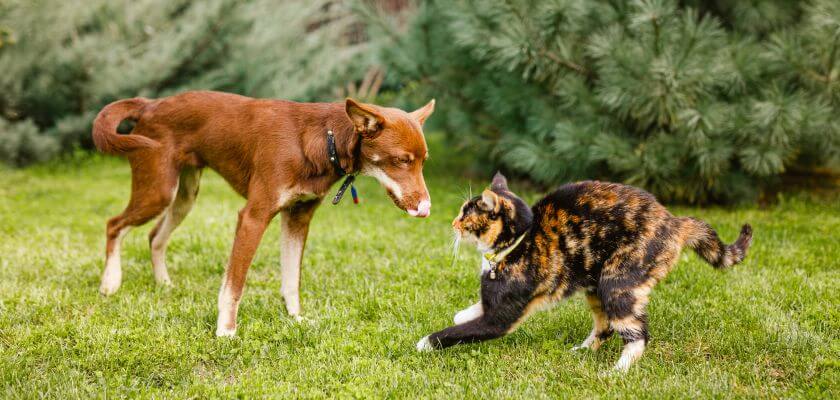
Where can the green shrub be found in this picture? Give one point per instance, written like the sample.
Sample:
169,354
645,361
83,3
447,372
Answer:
61,61
695,104
22,144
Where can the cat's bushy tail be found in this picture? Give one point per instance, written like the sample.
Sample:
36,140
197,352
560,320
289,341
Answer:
704,240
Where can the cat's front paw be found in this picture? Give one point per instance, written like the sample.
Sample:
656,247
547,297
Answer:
424,345
592,342
580,347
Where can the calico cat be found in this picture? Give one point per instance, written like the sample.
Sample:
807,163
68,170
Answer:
613,241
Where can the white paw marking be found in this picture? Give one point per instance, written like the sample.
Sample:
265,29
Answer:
580,347
111,280
227,311
291,252
632,351
587,343
163,280
225,332
468,314
112,276
424,345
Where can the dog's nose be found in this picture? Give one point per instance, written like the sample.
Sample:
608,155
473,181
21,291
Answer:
423,209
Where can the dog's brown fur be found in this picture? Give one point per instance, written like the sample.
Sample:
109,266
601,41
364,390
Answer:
272,152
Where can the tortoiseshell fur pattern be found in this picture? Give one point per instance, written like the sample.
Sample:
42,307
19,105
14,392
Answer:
613,241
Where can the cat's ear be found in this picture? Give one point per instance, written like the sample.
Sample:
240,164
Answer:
489,200
499,182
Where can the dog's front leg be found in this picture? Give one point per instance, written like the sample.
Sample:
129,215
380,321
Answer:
295,228
249,231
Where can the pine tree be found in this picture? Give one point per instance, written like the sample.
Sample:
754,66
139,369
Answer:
695,102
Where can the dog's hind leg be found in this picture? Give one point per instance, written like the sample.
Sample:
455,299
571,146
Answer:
187,191
295,228
152,190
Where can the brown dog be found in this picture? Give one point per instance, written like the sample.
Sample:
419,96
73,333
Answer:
272,152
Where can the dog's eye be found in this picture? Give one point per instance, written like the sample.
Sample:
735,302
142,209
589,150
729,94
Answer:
401,161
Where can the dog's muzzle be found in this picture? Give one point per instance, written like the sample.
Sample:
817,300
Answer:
424,208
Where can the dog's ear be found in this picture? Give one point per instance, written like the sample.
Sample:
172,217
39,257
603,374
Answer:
424,112
499,182
489,201
366,120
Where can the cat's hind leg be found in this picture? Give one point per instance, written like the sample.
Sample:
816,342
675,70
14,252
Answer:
624,291
601,330
634,332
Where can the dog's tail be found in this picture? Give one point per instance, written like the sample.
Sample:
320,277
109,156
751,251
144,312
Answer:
105,135
705,241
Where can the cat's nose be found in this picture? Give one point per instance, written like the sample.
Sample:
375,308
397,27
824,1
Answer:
456,224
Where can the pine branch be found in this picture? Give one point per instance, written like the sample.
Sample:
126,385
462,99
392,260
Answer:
568,64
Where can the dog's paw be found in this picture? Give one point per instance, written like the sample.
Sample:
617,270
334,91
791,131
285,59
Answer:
221,331
111,280
424,345
163,281
109,286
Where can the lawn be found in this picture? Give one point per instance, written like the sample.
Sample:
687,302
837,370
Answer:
374,282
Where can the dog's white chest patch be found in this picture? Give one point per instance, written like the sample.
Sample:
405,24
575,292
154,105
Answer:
291,196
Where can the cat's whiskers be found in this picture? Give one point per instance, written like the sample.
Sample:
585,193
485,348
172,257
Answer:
456,242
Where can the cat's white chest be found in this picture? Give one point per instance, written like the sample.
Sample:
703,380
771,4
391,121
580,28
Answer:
485,264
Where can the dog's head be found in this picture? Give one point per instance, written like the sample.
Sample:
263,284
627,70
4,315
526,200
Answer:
394,150
493,219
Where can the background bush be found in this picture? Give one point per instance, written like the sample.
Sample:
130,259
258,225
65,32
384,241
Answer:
696,100
61,61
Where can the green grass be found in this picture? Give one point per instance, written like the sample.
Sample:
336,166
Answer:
374,282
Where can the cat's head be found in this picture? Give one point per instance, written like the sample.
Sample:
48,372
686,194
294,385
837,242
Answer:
495,219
